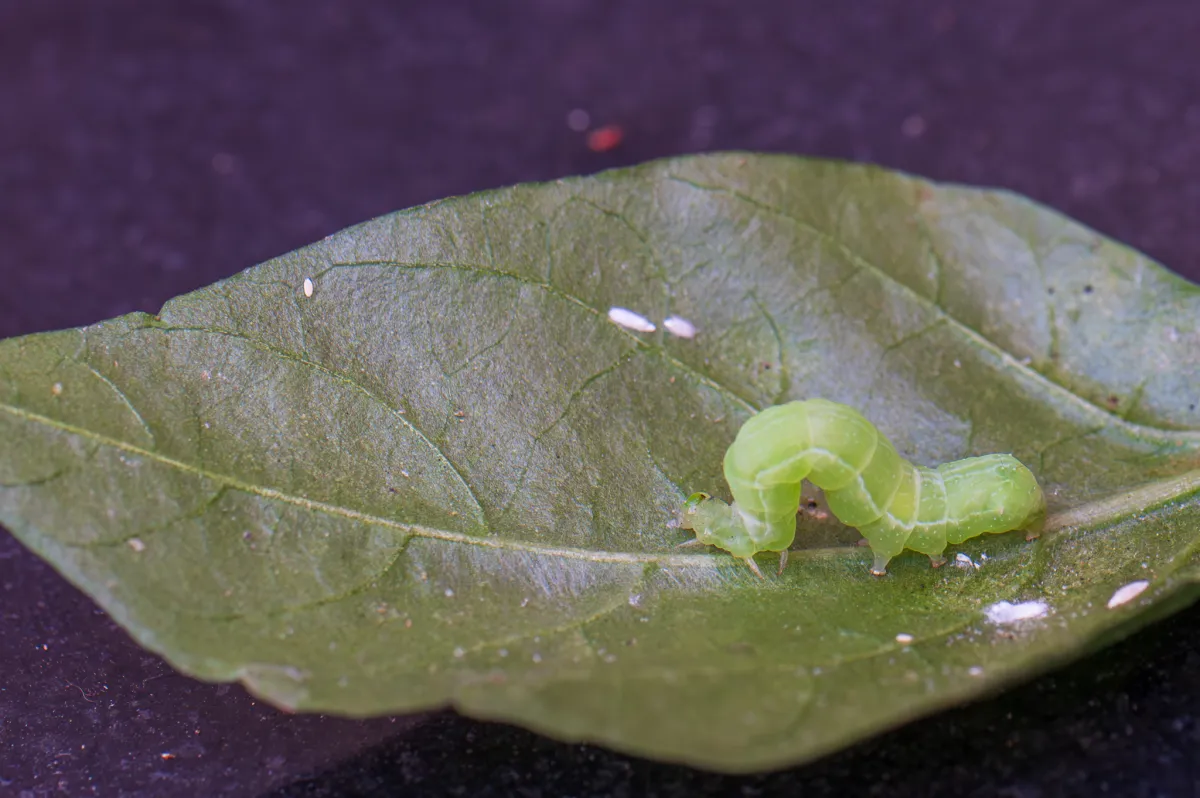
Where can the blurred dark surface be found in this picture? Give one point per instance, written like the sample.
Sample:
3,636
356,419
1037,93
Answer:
147,149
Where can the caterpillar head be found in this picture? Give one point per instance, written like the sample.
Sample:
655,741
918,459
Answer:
690,507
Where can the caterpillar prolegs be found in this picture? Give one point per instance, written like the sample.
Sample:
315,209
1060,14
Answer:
893,503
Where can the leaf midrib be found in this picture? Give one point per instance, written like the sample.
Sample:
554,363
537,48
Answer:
1092,514
432,533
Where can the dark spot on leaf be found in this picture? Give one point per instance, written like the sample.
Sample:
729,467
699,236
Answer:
1050,290
1087,289
1113,402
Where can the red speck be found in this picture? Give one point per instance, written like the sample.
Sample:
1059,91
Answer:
604,139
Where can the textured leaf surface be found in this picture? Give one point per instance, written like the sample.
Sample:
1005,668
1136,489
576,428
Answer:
447,477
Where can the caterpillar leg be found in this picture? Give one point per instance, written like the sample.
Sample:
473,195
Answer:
697,543
783,557
930,540
886,541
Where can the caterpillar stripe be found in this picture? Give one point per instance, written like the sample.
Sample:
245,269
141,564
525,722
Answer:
868,485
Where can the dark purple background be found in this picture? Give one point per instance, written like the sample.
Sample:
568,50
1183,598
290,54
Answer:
149,148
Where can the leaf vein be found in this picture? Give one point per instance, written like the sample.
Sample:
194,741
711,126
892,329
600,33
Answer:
1005,358
350,381
699,376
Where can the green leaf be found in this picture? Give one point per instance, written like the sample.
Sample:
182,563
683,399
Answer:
446,477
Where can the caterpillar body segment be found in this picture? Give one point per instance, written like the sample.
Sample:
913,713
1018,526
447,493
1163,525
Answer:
868,485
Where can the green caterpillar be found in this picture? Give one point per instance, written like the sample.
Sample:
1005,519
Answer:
867,484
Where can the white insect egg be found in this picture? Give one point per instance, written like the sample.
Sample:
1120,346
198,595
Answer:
623,317
136,544
1003,612
677,325
904,639
1127,593
308,286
